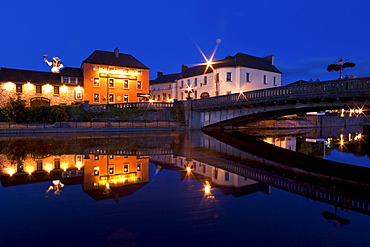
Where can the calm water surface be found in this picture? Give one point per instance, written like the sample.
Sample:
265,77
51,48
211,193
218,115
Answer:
135,190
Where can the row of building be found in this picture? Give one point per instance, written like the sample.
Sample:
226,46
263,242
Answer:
113,77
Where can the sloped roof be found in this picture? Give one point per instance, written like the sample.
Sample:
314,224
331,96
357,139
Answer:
165,78
71,72
109,58
239,59
24,76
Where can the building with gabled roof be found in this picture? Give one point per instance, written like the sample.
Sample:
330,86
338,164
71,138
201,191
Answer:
233,74
41,88
162,86
113,77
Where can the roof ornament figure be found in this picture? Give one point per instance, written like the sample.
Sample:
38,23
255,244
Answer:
55,64
340,65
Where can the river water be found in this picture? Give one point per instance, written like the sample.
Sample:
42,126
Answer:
184,189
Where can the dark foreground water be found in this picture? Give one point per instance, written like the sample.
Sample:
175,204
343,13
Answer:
135,191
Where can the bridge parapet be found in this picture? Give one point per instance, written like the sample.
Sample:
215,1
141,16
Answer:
348,88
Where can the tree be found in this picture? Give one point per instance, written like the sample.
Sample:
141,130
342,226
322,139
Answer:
15,110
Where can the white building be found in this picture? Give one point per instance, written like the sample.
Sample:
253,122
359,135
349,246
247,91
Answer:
233,74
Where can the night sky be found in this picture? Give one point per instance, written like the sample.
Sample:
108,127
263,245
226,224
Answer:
304,36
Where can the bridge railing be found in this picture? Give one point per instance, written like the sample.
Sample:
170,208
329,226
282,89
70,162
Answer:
140,105
356,87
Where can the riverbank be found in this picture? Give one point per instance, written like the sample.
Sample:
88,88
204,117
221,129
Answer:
87,127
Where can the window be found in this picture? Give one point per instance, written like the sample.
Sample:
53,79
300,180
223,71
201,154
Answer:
159,97
56,89
65,79
228,92
227,176
78,93
125,84
189,83
139,85
95,67
182,84
228,76
159,88
38,89
138,167
195,94
125,167
264,79
125,98
96,97
205,80
111,83
217,77
18,88
96,82
139,72
164,87
96,170
73,80
247,79
182,95
275,81
164,96
111,98
111,69
169,96
111,169
195,82
169,86
96,157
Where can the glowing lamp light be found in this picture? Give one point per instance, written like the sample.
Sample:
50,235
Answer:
28,86
188,169
9,86
207,188
48,87
10,171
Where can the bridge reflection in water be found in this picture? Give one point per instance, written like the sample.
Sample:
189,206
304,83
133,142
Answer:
234,163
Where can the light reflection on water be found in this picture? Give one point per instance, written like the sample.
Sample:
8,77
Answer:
159,190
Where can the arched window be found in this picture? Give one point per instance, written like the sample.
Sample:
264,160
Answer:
204,95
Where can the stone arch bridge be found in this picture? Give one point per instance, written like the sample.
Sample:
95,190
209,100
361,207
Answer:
230,110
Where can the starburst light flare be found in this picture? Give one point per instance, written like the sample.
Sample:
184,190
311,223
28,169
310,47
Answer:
209,62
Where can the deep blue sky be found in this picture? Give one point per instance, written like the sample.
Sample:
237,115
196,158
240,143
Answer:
304,36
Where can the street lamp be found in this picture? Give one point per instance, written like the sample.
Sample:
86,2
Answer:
189,90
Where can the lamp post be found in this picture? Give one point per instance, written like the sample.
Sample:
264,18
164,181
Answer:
339,66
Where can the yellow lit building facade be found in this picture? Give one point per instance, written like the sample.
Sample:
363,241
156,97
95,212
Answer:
41,88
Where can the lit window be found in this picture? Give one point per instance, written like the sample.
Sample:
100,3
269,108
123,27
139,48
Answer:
111,69
264,79
56,89
125,71
139,85
38,89
96,171
247,79
111,83
228,76
18,88
78,94
125,84
125,98
138,167
111,169
96,97
139,72
96,157
125,167
111,98
159,97
96,82
205,80
96,68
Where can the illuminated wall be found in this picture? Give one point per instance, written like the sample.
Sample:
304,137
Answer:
56,94
105,84
103,170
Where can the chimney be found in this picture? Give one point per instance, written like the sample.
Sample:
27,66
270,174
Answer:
116,52
159,74
270,59
183,68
